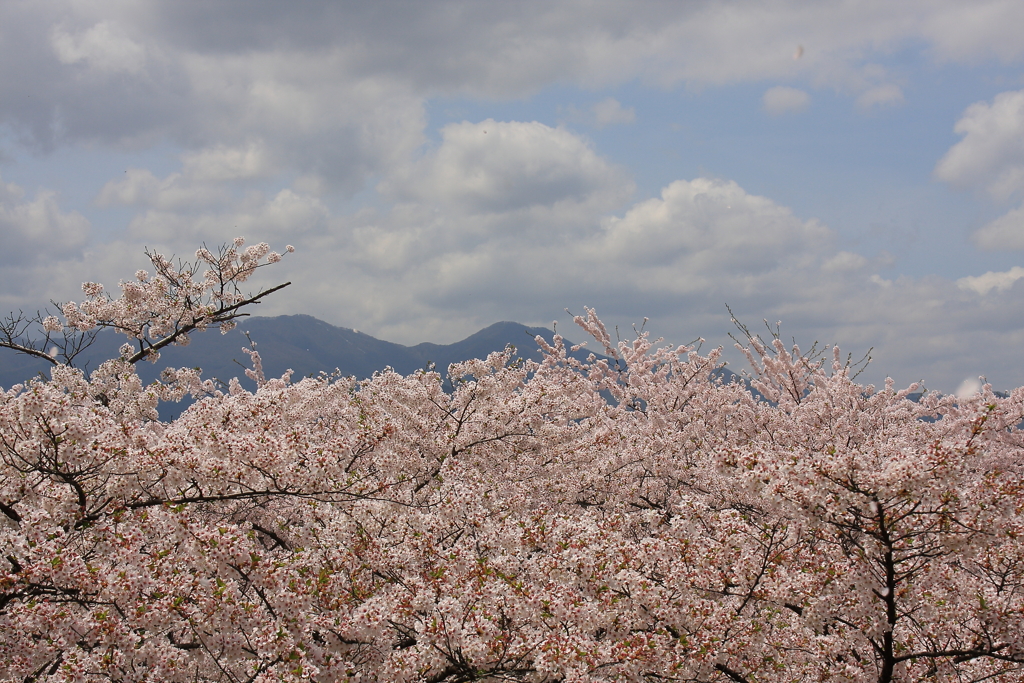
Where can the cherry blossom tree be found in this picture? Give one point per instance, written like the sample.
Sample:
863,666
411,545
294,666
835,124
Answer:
154,310
632,517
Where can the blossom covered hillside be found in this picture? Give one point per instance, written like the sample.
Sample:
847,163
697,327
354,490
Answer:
629,518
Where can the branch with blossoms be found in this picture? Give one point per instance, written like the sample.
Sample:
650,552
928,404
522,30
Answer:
58,346
154,310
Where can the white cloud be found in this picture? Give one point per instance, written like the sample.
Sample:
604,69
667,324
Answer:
506,166
139,187
844,261
783,99
969,387
286,216
983,284
610,111
1005,232
699,244
103,47
201,183
991,154
221,163
435,263
703,229
37,230
195,204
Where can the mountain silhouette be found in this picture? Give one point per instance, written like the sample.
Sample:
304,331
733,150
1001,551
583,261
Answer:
300,343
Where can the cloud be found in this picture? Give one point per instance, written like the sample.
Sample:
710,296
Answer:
139,187
1005,232
702,229
434,268
887,94
844,261
103,47
782,100
221,163
609,112
337,90
434,264
501,167
983,284
281,116
699,244
971,32
201,183
449,258
308,111
969,387
311,110
990,156
196,205
285,216
36,230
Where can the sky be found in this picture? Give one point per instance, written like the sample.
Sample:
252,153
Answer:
853,170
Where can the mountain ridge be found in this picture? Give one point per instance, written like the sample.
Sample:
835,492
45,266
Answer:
301,343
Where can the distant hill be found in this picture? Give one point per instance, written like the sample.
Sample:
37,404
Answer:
309,346
301,343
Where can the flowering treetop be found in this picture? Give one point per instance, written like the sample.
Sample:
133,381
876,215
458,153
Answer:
632,519
153,310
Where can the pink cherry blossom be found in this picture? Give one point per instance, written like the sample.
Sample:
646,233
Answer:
632,517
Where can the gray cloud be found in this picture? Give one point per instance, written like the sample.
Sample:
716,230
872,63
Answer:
336,88
36,229
102,47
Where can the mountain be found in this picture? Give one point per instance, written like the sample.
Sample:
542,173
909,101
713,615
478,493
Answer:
308,346
301,343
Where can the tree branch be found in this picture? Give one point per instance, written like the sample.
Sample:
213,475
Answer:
219,317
